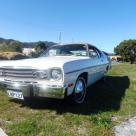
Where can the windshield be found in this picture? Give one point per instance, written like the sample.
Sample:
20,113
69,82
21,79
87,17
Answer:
66,50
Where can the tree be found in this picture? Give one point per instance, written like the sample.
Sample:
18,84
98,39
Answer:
10,46
40,47
127,49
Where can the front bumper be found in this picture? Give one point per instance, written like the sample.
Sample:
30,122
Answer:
37,90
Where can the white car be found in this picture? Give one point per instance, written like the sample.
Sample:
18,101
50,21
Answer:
61,71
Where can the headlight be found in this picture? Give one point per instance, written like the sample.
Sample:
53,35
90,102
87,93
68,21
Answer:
56,74
40,74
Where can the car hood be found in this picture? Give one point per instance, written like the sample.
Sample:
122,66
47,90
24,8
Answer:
42,62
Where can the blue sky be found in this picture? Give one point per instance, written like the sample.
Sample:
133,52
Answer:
104,23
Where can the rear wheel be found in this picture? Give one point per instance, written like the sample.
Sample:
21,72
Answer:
79,91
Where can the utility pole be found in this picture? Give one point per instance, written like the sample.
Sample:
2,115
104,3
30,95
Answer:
60,38
72,40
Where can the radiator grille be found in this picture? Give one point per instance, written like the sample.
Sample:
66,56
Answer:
19,72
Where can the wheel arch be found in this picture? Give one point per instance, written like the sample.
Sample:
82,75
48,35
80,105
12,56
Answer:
85,76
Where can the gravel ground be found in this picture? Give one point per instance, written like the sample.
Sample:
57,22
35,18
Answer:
127,128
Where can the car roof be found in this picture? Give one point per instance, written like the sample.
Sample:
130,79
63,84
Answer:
77,44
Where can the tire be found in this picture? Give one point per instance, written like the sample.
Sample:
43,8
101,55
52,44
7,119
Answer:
79,92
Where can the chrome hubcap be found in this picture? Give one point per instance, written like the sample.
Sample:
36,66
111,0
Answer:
79,87
80,91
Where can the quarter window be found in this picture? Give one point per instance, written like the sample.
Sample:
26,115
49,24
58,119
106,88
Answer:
93,52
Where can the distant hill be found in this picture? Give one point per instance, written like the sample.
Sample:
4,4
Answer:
25,44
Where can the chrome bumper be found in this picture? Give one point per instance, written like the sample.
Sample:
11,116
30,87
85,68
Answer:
36,90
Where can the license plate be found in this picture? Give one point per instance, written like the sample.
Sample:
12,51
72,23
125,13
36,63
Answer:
14,94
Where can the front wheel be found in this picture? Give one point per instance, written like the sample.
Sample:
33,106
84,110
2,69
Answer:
79,91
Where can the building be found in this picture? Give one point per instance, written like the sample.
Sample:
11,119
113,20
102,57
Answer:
115,57
28,51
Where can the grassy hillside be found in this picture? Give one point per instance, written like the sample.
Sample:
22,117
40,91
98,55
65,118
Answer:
12,56
24,44
107,104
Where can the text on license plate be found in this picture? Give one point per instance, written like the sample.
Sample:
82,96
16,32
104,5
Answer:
14,94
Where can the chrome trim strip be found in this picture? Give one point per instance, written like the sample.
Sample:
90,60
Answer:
16,67
84,69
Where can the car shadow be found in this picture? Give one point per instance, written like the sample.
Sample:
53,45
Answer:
101,97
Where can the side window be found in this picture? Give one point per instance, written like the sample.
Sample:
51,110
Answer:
78,50
98,52
93,53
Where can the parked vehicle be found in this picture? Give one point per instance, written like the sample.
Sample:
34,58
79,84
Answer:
61,71
116,58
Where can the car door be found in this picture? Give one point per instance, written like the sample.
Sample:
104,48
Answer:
96,65
101,67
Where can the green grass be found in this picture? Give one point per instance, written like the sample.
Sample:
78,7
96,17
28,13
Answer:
115,98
